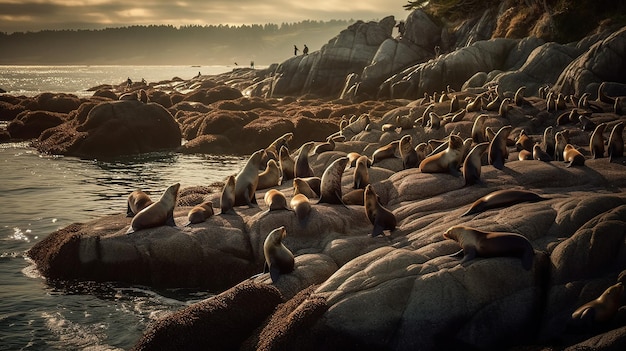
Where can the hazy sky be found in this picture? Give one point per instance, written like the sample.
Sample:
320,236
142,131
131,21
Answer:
35,15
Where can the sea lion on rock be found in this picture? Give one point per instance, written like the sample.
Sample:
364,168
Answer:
247,180
158,213
596,142
548,141
473,163
137,201
275,200
519,96
301,206
540,155
330,188
447,161
286,163
502,198
227,199
379,216
478,129
281,141
525,155
143,96
602,309
384,152
303,169
560,140
329,145
200,213
270,177
300,186
572,156
408,153
524,142
361,174
498,152
354,197
616,142
477,243
278,258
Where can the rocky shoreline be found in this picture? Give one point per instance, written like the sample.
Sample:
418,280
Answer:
350,290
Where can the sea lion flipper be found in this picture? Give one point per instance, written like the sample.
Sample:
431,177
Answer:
378,230
469,253
170,220
274,272
187,224
458,254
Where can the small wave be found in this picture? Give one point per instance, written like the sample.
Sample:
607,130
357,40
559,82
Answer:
72,335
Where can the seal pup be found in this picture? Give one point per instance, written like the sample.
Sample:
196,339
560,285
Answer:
408,153
200,213
247,180
596,142
303,169
616,142
525,155
278,258
330,187
270,177
361,174
502,198
473,163
387,151
300,186
572,156
498,152
477,243
586,123
227,198
378,215
560,140
137,201
602,309
286,163
354,197
540,155
302,208
158,213
275,200
447,161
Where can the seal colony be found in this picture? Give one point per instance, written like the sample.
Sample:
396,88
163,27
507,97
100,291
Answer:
458,153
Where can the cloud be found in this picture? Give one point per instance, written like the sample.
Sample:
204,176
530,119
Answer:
34,15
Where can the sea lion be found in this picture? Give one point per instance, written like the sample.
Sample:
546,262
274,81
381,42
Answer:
227,199
498,152
560,140
354,197
502,198
616,142
425,116
560,102
478,129
379,216
329,145
246,181
275,200
454,104
131,96
475,105
602,309
300,186
353,157
404,122
548,141
330,188
408,153
602,96
286,163
489,134
143,96
596,142
477,243
281,141
525,155
137,201
200,213
458,117
302,207
519,96
303,169
524,142
503,111
586,123
278,258
388,127
434,121
473,163
384,152
158,213
617,106
572,156
361,174
447,161
421,150
540,155
270,177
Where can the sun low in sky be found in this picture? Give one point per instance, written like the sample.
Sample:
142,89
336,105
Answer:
36,15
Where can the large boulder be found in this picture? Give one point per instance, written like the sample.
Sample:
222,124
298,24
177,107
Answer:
30,124
112,129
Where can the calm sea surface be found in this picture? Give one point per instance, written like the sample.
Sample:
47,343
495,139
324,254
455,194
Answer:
42,193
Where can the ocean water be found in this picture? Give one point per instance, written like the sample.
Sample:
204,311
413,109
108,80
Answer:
42,193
